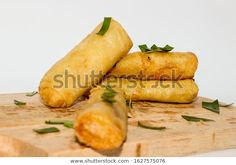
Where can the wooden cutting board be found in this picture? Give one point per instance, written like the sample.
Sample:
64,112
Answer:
179,139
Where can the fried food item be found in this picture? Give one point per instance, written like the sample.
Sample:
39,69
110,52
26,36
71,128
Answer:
181,91
84,66
156,66
102,125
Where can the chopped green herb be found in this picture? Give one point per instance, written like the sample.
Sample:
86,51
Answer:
144,48
155,48
31,93
167,48
105,26
17,102
69,124
195,119
108,95
212,106
149,127
46,130
66,123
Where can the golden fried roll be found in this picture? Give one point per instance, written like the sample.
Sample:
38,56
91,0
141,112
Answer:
102,123
84,66
156,66
181,91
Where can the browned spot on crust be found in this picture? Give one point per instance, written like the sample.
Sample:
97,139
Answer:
232,122
138,150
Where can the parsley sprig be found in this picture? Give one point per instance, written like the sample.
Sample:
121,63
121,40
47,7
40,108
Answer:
108,95
154,48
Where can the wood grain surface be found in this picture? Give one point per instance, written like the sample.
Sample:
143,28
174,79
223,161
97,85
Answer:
181,137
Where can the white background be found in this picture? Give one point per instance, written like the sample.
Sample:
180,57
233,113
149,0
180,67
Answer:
35,34
168,160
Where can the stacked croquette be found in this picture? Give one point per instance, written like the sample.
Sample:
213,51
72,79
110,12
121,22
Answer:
156,76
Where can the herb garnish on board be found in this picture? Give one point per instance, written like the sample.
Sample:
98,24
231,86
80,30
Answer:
17,102
31,93
46,130
195,119
66,123
212,106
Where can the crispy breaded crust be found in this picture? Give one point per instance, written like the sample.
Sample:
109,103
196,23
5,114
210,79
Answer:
181,91
95,54
156,66
101,125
